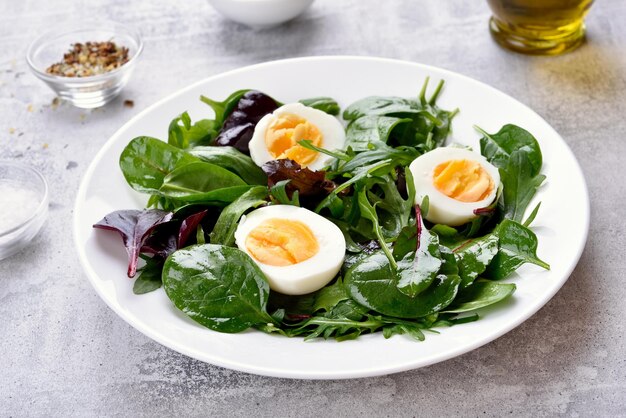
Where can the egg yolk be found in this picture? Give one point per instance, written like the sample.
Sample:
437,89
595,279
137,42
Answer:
463,180
283,134
281,242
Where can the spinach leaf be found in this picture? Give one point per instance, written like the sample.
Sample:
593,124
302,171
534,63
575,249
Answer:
328,297
371,130
134,226
233,160
518,245
183,134
373,283
325,104
224,109
480,294
474,255
224,230
499,147
219,287
149,278
418,267
146,161
520,185
380,106
199,181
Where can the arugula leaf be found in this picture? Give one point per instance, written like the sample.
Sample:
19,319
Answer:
371,130
414,330
369,212
418,267
219,287
401,156
233,160
145,162
473,257
224,231
325,104
359,174
395,211
479,295
518,245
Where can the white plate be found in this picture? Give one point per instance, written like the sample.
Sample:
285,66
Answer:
561,224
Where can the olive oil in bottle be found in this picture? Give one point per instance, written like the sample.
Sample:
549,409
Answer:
546,27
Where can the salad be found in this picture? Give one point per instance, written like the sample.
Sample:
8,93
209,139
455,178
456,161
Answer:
281,218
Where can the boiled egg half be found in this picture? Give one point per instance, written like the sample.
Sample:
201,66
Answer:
277,134
298,250
457,181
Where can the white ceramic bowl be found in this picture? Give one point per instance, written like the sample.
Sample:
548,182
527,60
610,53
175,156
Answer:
261,14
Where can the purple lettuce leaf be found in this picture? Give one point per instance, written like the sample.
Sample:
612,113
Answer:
134,226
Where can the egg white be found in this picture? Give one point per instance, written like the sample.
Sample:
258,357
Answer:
442,208
333,134
311,274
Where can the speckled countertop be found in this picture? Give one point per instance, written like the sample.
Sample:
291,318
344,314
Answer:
64,353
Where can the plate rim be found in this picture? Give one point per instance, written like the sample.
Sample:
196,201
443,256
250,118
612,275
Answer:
271,372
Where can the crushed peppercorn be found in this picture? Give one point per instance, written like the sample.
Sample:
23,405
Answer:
90,58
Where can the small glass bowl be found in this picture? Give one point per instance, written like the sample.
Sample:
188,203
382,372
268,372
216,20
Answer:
84,92
17,236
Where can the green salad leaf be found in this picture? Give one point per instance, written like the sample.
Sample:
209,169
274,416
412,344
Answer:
418,267
499,147
325,104
474,255
233,160
517,246
479,295
183,134
219,287
520,185
373,283
149,278
146,161
199,181
517,155
224,231
371,130
224,108
380,106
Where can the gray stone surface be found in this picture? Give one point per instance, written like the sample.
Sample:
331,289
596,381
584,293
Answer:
63,352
